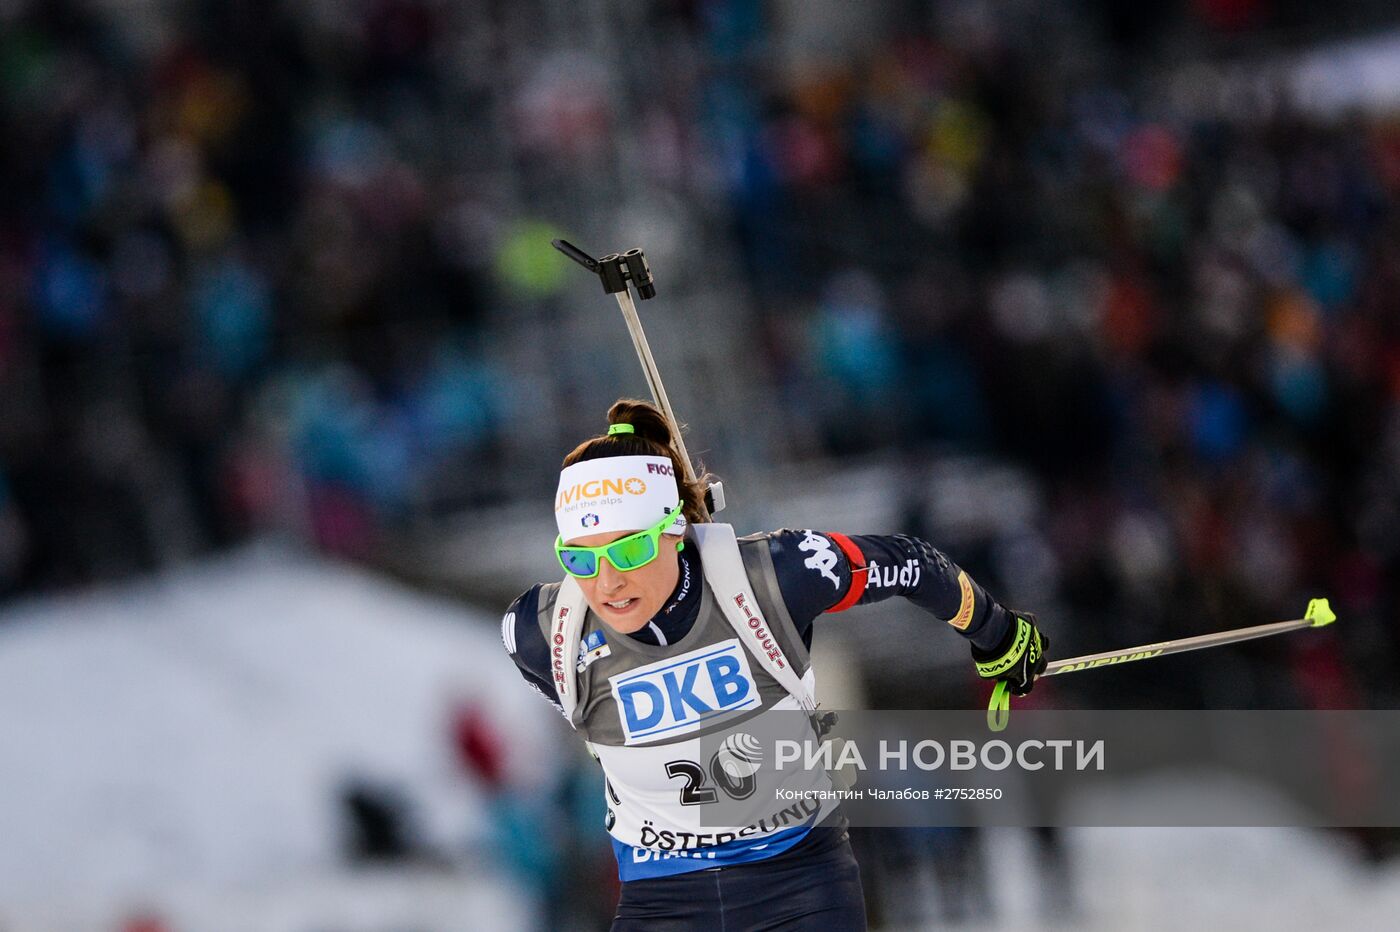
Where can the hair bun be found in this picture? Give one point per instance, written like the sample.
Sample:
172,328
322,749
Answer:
645,419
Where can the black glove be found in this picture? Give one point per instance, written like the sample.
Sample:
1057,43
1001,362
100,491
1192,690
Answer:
1019,658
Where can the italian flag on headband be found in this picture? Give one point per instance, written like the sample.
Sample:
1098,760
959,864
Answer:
616,493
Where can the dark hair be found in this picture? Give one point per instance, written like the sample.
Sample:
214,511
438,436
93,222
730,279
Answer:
651,437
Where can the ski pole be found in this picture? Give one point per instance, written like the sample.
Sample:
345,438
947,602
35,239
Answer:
1319,614
616,271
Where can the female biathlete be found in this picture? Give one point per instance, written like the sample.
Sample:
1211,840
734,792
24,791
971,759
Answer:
668,638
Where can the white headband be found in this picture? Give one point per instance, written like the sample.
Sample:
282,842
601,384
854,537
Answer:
616,493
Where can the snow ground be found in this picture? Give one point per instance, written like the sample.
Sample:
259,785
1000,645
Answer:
182,740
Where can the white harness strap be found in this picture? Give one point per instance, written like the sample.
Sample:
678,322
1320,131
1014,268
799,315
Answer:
565,626
724,571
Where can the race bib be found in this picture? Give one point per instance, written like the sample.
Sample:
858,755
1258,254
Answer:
678,695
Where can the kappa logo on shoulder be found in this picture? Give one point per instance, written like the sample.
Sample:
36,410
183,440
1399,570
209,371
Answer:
680,694
823,558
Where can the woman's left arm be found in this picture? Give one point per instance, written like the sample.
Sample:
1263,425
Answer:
821,572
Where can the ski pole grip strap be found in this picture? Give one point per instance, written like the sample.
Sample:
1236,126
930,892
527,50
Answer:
860,572
999,709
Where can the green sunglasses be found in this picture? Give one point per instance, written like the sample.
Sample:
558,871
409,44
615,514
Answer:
626,553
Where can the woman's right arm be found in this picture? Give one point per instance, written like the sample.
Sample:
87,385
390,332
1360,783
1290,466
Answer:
520,632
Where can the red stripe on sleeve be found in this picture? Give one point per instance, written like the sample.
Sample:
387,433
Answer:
860,573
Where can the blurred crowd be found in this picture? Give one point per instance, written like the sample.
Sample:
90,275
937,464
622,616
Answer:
273,265
1177,310
236,282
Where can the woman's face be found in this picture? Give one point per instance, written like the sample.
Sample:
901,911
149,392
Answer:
627,601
